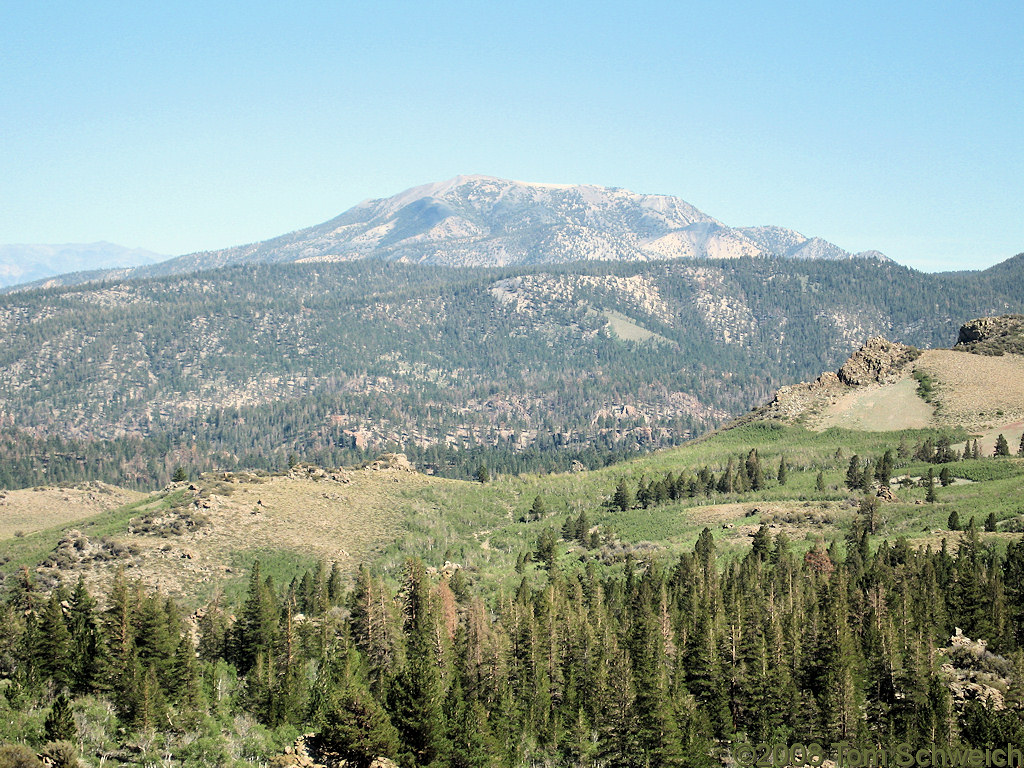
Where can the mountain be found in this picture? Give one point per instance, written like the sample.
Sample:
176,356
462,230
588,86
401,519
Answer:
485,221
471,221
522,368
28,263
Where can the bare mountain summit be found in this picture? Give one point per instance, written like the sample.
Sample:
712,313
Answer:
485,221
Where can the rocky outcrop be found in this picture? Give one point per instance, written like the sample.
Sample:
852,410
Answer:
973,673
879,361
885,494
993,335
299,755
302,471
308,752
391,461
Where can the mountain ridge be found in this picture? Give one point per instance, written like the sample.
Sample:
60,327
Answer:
479,220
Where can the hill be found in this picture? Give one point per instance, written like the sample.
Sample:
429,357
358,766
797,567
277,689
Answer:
887,386
520,369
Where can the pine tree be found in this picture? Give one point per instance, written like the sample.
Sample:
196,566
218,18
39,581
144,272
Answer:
727,483
256,629
119,638
657,732
1013,578
188,689
358,728
945,478
467,731
25,605
943,451
990,522
755,475
53,643
869,512
180,475
287,691
86,658
854,476
213,632
623,498
930,496
371,627
760,545
335,585
953,523
482,475
836,655
156,642
783,471
868,479
416,697
147,704
883,471
537,509
582,528
617,743
643,493
705,675
1020,448
60,722
1002,447
547,548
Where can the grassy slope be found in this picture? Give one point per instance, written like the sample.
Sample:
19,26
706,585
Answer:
33,509
481,527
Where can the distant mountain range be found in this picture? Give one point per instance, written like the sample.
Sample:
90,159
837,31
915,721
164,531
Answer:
472,221
29,263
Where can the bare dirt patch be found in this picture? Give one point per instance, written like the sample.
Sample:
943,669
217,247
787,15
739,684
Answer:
987,439
36,509
977,392
879,409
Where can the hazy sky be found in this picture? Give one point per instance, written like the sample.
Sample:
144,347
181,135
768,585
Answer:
190,126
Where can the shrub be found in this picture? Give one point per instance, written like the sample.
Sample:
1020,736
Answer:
18,756
61,754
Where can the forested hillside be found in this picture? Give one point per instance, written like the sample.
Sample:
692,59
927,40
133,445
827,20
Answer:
668,667
516,369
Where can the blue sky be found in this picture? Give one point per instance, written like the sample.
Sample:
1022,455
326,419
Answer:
190,126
